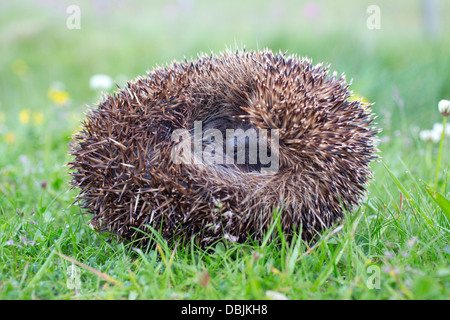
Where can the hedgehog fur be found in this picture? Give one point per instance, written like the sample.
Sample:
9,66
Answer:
124,168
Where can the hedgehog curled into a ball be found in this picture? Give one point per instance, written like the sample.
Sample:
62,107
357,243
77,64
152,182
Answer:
207,150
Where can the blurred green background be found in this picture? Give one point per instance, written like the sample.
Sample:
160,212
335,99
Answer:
45,72
45,66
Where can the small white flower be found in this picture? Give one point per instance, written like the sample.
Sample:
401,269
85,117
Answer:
101,82
430,136
444,107
438,127
273,295
436,136
230,237
425,135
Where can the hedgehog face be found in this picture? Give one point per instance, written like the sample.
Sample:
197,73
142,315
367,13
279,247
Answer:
232,143
209,148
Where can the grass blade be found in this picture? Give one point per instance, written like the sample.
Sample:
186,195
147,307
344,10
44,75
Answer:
440,200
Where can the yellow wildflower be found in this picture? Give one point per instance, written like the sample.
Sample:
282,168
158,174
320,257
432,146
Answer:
38,117
274,270
19,67
10,138
60,97
356,97
24,116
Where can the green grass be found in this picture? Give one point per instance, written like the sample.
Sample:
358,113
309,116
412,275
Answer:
400,232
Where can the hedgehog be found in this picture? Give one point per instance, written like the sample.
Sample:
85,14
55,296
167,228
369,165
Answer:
210,149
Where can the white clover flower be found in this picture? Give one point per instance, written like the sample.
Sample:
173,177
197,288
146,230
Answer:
273,295
438,127
444,107
436,136
430,136
101,82
425,135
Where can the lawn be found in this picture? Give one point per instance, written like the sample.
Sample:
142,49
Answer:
396,245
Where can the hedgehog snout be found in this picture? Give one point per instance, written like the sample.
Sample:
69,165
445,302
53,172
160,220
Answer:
235,142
